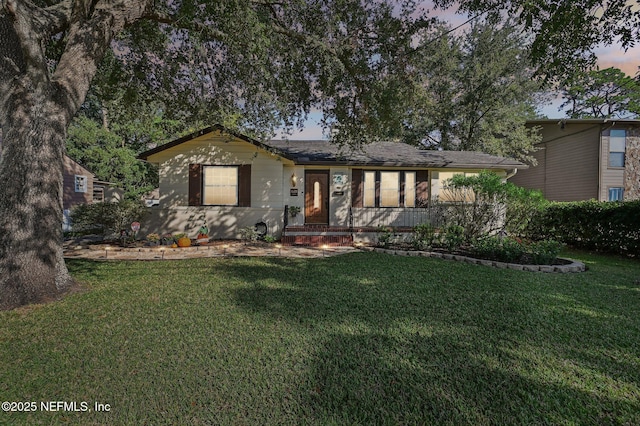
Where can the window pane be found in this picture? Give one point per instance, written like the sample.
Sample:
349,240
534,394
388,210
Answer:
369,189
410,189
617,140
220,185
389,189
616,159
316,195
616,194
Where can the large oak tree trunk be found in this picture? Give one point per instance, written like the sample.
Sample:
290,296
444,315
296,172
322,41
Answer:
36,106
32,267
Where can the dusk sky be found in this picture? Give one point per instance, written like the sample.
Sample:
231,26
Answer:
608,56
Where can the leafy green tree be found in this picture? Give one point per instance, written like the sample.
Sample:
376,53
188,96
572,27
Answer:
606,93
564,32
476,92
253,61
104,153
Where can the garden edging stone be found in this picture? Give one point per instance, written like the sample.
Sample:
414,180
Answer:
572,267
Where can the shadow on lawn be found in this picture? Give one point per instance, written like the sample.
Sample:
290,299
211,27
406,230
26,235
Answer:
403,342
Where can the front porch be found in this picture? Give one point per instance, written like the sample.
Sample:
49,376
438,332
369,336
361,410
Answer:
363,226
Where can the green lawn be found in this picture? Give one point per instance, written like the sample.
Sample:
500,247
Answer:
364,338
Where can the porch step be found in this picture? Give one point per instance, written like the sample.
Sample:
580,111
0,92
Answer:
318,240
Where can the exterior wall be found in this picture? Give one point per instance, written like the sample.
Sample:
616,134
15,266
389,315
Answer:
290,172
267,188
70,197
632,165
568,163
223,222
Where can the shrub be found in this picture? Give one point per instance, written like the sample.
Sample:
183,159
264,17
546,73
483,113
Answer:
498,248
385,236
424,236
483,204
107,219
248,234
544,252
454,237
592,225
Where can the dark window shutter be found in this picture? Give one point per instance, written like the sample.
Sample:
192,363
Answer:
356,187
402,184
244,185
377,203
422,187
195,184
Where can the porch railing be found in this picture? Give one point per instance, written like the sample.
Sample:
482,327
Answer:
363,217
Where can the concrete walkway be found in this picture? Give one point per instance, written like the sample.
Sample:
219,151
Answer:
98,251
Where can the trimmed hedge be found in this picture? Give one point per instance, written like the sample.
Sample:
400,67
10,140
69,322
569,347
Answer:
592,225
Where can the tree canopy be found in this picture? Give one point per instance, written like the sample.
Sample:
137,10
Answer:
475,91
607,93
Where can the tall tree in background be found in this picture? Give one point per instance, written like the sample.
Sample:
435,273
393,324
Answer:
607,93
476,92
271,60
565,31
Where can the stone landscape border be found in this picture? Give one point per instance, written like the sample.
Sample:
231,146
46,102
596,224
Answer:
572,266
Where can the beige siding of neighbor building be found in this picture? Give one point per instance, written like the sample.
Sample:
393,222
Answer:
568,159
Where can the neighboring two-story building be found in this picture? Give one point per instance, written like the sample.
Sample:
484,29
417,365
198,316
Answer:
585,159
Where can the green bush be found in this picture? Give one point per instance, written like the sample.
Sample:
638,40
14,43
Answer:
425,236
592,225
485,204
385,236
107,219
544,252
498,248
454,237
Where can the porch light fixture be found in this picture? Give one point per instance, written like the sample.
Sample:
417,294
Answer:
294,180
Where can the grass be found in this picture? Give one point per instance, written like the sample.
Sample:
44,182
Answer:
363,338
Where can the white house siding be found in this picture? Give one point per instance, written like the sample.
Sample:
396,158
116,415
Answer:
267,198
288,172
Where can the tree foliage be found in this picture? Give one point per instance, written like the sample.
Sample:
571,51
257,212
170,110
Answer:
105,154
475,92
565,31
607,93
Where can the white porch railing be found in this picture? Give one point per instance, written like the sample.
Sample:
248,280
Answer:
362,217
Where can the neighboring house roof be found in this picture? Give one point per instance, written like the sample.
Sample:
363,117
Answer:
390,154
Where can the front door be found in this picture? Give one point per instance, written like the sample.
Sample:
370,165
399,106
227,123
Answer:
316,196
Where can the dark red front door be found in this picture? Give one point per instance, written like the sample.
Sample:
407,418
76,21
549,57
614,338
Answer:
316,196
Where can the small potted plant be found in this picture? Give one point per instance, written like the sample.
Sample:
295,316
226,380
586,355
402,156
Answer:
167,239
203,235
153,239
294,210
